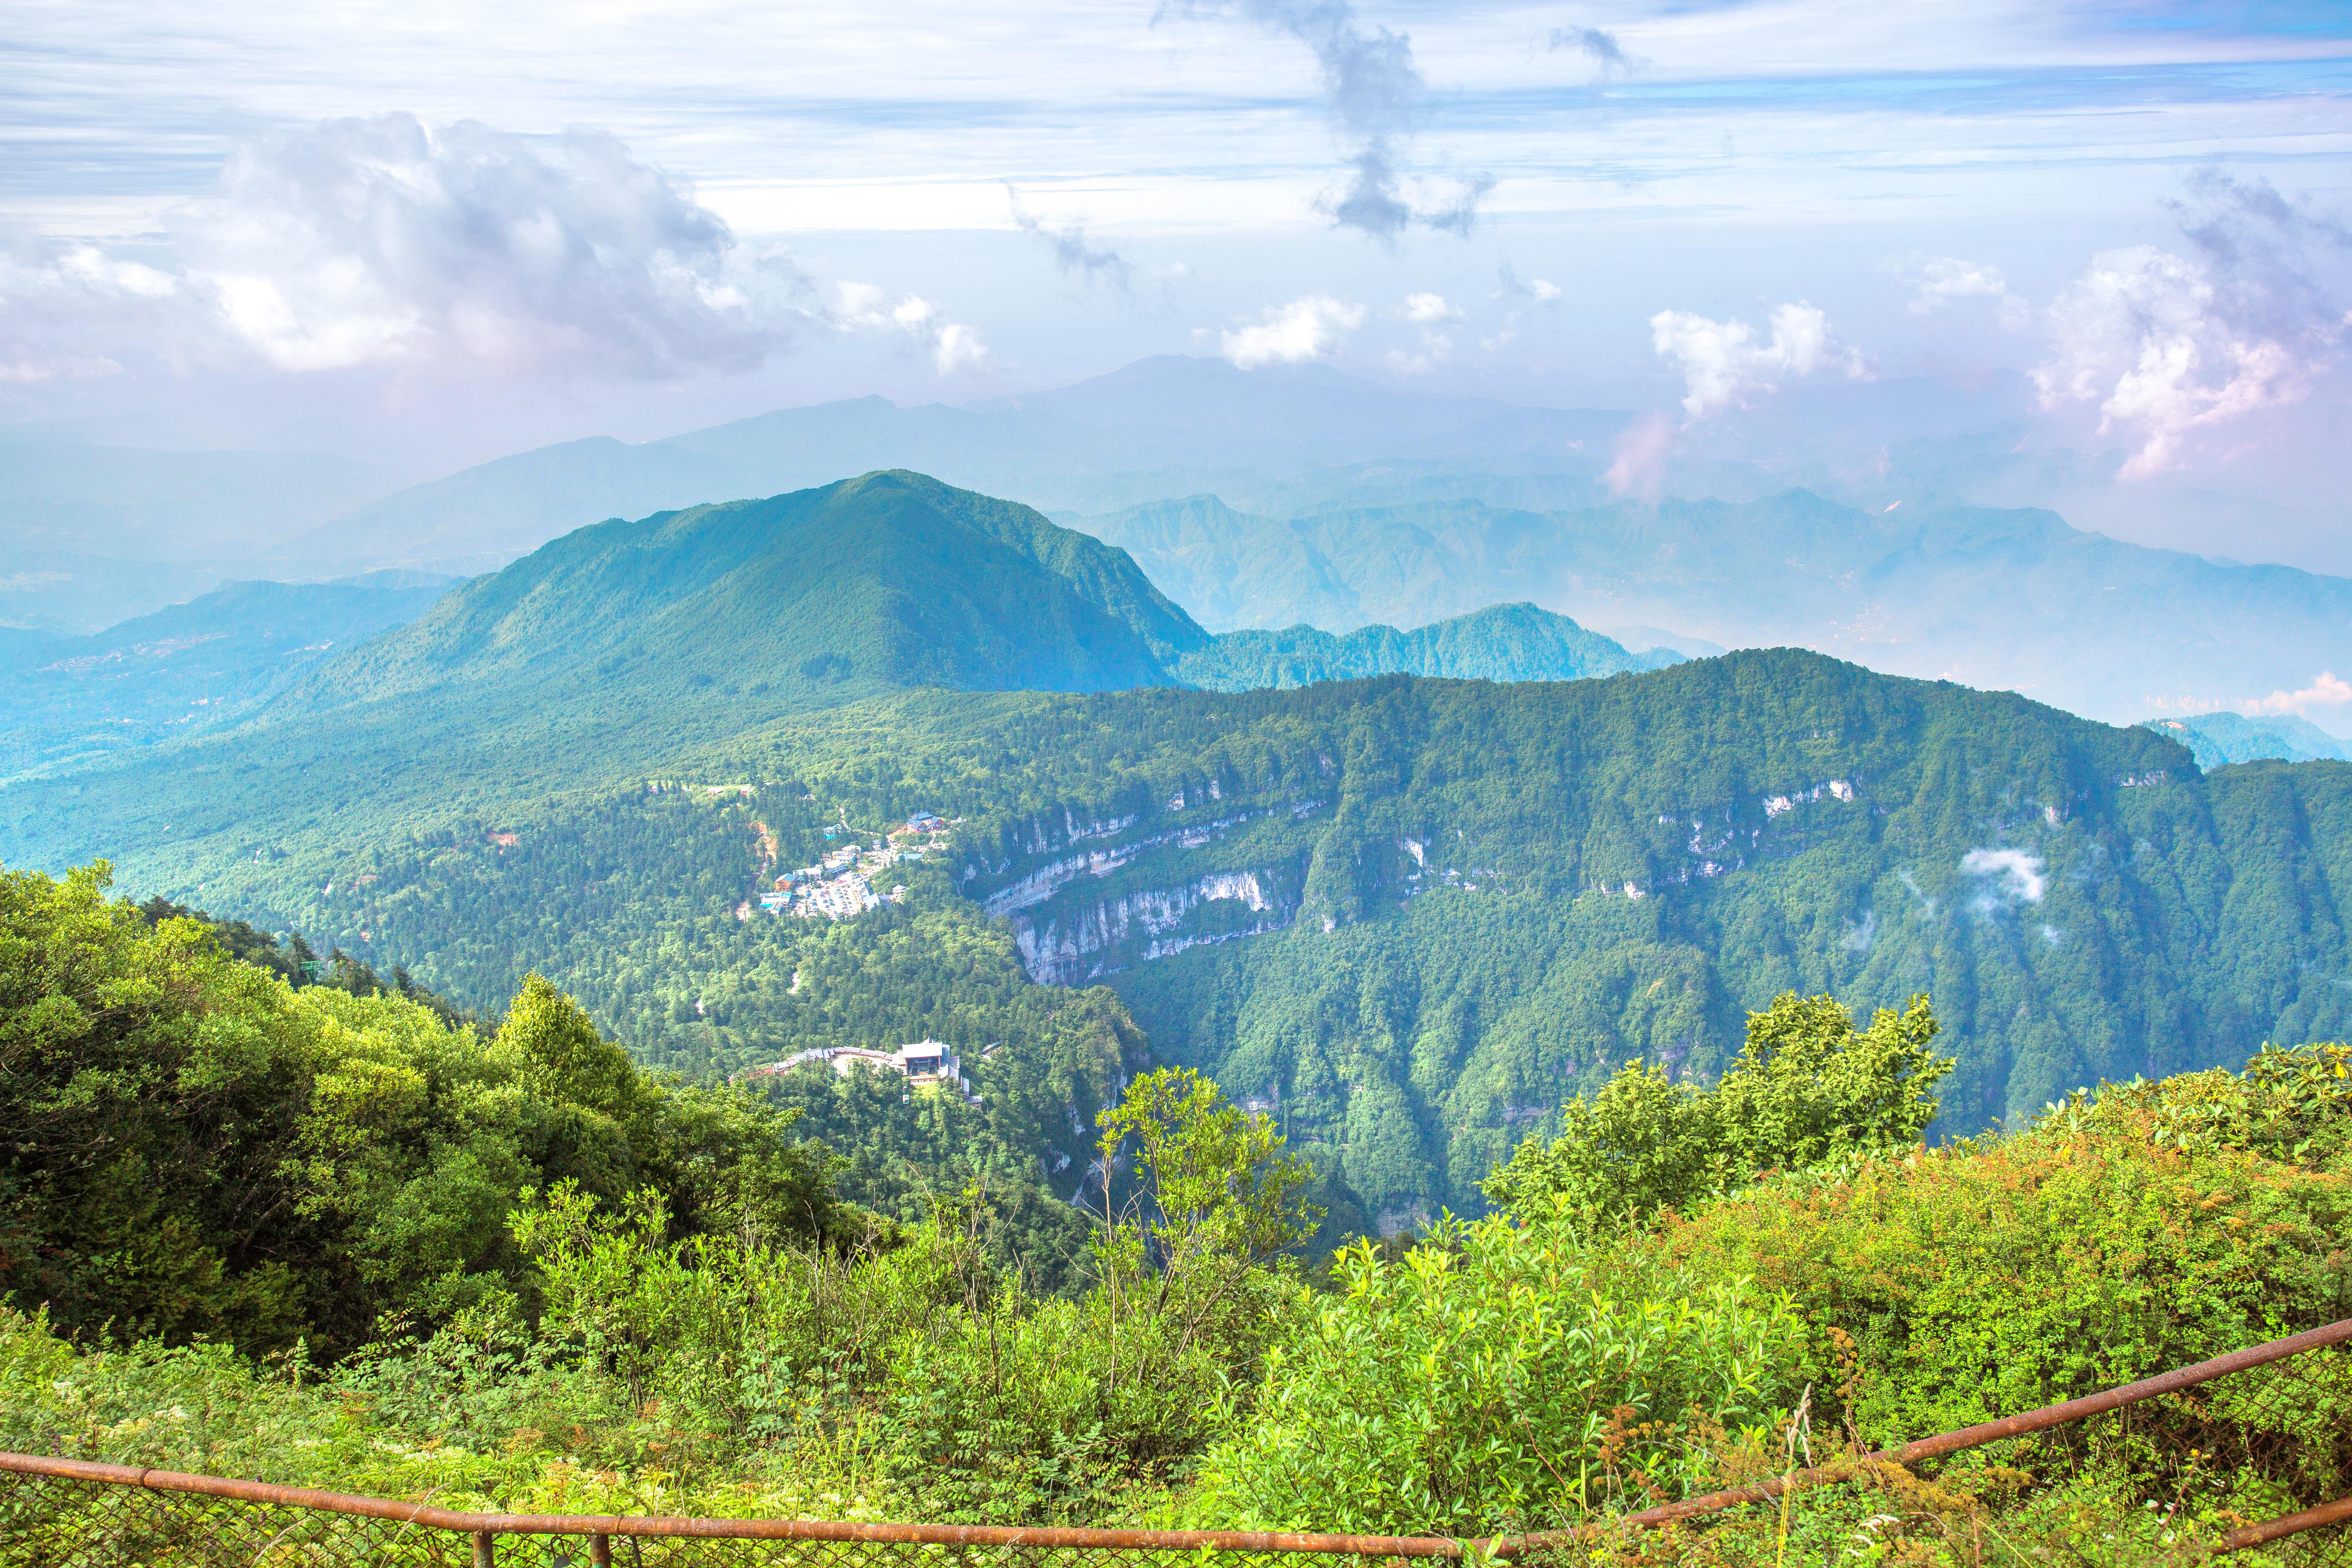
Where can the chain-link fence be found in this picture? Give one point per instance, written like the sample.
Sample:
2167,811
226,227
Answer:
2250,1453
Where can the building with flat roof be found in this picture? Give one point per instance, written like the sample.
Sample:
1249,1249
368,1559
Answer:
926,1063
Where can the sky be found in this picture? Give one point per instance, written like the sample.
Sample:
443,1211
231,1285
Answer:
430,234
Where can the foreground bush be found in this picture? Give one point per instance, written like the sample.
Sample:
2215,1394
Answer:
1503,1377
2161,1225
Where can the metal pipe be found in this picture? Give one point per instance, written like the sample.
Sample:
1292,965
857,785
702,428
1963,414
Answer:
2019,1425
2326,1513
601,1527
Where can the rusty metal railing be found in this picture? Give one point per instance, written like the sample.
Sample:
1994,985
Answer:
61,1512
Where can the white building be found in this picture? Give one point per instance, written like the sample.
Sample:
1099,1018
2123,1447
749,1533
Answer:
924,1064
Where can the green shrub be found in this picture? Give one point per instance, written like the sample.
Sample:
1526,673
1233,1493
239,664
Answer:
1809,1090
2116,1238
1499,1377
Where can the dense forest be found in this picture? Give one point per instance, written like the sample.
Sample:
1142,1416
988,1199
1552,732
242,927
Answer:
1408,914
342,1239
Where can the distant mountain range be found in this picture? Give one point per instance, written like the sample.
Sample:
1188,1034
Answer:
2217,740
1999,599
1505,642
1263,499
1160,426
68,700
91,536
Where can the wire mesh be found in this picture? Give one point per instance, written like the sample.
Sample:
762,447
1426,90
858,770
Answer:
2178,1476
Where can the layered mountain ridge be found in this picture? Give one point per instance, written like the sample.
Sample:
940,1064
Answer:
1410,914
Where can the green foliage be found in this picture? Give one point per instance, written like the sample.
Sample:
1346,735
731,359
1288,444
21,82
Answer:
2115,1237
2292,1106
1503,1372
199,1148
1218,1184
1502,1377
1809,1090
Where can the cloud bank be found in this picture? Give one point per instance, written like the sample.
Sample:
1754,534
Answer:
2328,691
2171,346
382,242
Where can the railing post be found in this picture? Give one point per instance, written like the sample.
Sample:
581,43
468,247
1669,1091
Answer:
485,1553
600,1550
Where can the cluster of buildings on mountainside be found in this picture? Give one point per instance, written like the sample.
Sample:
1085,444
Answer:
847,881
926,1063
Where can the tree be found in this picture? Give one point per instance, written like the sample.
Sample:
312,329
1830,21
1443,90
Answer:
1809,1090
1220,1200
568,1057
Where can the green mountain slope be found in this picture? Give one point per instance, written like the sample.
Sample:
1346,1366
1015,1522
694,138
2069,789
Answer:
67,700
1505,642
2217,740
891,580
1412,914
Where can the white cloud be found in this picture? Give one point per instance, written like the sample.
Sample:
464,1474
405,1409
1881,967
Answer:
954,346
1544,290
382,242
957,347
2143,334
1431,314
1722,364
2328,691
1309,328
2020,874
1938,281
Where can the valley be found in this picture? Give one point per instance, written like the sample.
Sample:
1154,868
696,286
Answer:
1413,913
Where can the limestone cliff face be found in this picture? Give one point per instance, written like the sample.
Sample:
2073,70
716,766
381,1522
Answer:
1075,945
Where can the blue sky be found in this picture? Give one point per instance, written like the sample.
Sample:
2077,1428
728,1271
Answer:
447,231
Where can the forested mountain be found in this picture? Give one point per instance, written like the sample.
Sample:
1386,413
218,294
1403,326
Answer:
748,608
193,666
1412,914
1507,642
2010,599
2217,740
